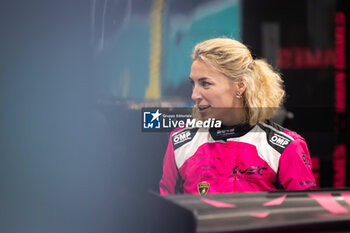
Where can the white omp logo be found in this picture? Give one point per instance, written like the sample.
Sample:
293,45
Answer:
279,140
182,137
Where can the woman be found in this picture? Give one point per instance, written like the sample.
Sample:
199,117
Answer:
248,153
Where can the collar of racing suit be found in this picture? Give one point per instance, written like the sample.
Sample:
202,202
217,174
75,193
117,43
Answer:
225,132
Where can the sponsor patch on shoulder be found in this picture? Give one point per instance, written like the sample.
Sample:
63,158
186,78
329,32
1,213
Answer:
183,137
279,140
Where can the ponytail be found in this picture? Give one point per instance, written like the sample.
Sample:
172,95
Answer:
264,93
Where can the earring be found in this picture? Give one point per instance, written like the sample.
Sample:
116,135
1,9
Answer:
238,96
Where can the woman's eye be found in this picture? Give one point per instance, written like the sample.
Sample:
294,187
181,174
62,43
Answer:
205,84
192,83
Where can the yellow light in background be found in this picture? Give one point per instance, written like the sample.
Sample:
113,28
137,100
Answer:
153,90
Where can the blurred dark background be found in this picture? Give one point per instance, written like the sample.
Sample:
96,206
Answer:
75,74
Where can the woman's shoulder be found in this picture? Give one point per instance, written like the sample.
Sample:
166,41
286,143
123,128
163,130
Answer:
187,132
280,138
178,130
275,128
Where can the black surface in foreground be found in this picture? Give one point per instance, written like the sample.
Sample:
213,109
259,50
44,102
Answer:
298,212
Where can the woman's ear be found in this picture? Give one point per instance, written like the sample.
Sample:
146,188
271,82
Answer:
240,85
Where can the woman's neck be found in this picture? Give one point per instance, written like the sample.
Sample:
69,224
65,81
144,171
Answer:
237,117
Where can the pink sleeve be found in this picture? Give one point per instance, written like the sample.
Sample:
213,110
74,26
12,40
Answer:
168,182
295,168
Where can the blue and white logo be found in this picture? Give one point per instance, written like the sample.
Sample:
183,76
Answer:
151,120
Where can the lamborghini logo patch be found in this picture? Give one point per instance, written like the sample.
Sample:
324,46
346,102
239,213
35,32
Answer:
203,187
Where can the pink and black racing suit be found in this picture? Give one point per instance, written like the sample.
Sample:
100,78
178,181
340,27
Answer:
243,158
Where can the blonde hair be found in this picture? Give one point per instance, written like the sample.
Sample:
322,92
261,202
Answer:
264,87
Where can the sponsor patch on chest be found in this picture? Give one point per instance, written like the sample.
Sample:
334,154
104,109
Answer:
203,187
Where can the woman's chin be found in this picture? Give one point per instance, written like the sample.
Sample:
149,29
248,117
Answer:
206,116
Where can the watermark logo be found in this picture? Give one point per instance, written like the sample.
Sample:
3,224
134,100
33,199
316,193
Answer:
168,119
151,120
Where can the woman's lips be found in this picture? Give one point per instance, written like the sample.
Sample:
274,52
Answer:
203,108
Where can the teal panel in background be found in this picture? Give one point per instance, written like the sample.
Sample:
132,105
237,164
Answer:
124,65
209,20
124,60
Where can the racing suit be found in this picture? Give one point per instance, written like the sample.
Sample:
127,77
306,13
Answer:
241,158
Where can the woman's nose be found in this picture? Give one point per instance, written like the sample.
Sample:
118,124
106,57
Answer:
195,94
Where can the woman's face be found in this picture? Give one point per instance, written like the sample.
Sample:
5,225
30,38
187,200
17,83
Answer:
216,95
